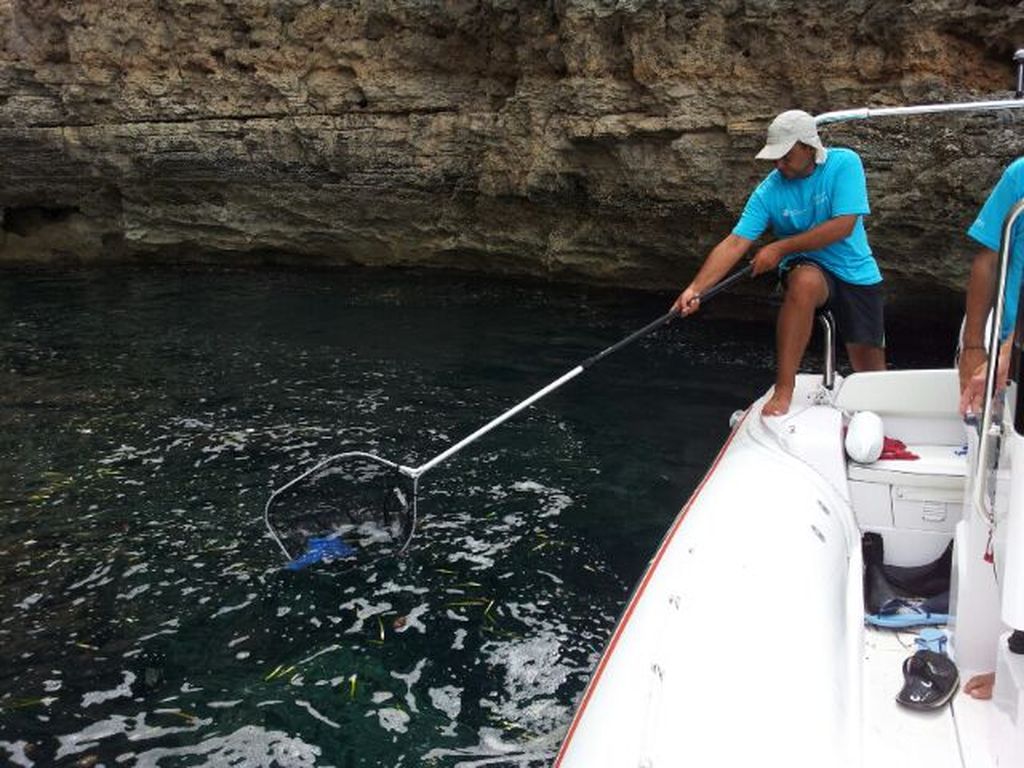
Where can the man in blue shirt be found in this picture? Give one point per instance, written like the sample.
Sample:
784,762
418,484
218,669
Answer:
814,203
987,231
981,290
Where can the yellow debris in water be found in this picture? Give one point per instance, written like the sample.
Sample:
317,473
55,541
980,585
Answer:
273,673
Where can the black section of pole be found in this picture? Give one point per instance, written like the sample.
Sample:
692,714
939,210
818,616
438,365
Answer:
663,320
1018,59
668,317
721,285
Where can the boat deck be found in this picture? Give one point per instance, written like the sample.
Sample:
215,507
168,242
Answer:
895,735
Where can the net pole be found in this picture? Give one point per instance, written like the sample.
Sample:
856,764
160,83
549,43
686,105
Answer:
668,317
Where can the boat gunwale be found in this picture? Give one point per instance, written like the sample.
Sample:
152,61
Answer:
638,593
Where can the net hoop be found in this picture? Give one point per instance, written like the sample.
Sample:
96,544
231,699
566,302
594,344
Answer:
325,463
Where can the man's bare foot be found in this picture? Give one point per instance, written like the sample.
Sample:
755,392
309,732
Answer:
778,403
980,686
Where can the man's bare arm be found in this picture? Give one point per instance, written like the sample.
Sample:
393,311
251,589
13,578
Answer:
826,233
721,259
981,292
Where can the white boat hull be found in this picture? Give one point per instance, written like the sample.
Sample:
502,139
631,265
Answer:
745,644
743,638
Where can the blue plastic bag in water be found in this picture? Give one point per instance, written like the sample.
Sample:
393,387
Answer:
320,549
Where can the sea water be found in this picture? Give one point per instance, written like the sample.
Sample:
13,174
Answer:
145,416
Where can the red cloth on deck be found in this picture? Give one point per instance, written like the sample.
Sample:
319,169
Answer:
895,449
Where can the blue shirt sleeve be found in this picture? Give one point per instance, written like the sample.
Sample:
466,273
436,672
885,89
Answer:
987,228
755,219
849,187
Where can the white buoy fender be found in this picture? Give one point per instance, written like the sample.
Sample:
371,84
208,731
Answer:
865,436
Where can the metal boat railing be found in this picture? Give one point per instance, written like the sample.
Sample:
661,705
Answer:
828,327
989,430
863,113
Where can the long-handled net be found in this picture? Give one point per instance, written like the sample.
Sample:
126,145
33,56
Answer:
353,507
357,507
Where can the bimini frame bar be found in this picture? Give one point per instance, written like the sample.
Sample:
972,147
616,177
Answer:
865,113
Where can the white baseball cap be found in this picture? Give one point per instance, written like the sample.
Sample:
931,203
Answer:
786,130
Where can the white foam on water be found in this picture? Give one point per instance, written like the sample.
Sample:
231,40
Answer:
412,619
319,716
410,679
557,499
447,699
493,749
364,610
16,753
248,747
134,728
392,719
232,608
29,601
123,690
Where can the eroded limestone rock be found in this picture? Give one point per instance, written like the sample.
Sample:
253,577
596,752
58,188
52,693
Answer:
599,140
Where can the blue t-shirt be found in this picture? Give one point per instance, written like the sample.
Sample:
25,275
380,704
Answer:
987,230
790,207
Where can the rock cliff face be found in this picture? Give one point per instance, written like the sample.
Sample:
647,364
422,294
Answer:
601,140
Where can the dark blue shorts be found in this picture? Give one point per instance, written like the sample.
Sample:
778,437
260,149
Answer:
857,309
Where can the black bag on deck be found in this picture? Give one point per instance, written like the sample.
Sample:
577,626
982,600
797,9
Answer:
888,586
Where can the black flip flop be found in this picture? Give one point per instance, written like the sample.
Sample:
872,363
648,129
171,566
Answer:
930,680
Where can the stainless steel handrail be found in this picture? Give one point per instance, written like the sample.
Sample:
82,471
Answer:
828,378
864,113
987,431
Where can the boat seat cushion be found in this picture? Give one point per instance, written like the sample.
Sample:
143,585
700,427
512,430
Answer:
932,394
938,466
